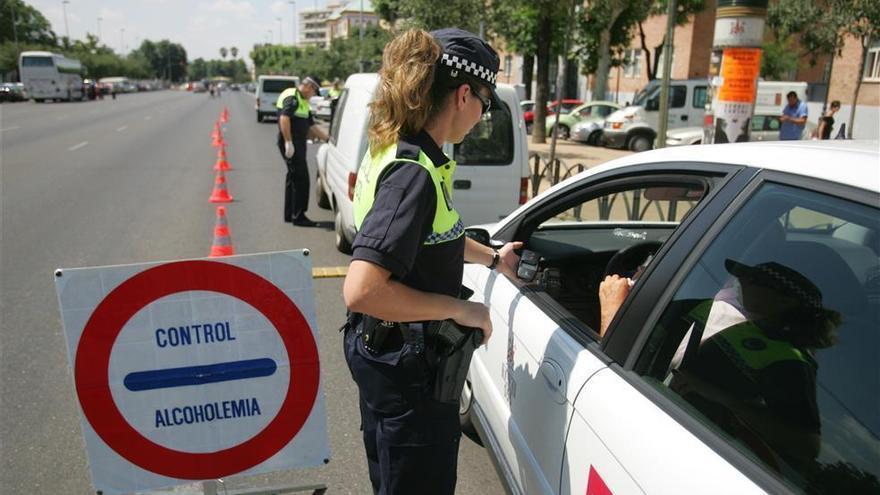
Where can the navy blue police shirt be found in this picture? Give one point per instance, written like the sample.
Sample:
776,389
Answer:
393,233
299,126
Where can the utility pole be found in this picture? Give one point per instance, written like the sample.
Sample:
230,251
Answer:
66,28
563,69
14,24
734,67
99,28
668,47
121,41
361,44
293,7
280,31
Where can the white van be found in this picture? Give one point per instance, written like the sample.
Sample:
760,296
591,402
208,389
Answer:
635,127
268,90
491,179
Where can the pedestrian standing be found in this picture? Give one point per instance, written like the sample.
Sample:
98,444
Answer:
793,119
408,255
826,123
295,125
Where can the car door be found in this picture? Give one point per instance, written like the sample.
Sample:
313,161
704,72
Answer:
679,113
491,164
699,430
544,345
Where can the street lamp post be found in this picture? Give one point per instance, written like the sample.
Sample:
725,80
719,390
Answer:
280,31
269,35
293,7
122,41
64,10
99,27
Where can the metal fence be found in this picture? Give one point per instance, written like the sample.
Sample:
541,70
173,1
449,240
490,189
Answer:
554,172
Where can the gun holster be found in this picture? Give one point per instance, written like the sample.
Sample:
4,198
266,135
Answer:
455,347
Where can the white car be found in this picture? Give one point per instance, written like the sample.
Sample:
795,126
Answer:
746,357
269,88
764,127
491,177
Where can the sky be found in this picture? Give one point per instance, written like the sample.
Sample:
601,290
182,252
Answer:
201,26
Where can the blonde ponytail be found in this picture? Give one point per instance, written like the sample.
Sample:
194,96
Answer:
405,98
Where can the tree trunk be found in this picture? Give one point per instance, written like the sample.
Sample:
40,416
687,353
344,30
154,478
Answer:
855,98
543,55
601,81
648,65
528,73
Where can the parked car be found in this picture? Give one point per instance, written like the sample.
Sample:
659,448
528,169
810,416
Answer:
746,356
763,127
12,92
491,178
268,90
567,105
593,111
320,105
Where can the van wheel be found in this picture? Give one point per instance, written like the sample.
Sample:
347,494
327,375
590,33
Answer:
342,242
639,143
259,117
323,199
464,414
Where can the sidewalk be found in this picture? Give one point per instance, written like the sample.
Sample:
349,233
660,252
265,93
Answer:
573,153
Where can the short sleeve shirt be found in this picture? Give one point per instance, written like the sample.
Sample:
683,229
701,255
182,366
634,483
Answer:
299,126
789,130
393,233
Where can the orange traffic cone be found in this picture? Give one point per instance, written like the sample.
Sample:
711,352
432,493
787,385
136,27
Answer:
222,164
224,115
222,245
220,194
218,140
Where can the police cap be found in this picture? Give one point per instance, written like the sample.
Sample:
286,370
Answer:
466,59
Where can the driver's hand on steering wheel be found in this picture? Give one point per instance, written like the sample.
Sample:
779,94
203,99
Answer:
612,292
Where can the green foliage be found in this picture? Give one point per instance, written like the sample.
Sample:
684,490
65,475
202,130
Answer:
164,59
208,69
340,59
778,61
430,14
32,28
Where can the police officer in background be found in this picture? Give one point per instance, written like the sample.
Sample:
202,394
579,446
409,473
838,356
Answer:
408,254
295,125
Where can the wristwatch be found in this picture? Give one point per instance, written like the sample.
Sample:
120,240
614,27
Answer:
495,259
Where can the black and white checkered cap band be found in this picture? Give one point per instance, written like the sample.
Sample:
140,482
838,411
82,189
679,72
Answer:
459,63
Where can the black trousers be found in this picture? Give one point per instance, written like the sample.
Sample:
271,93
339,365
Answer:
411,440
296,183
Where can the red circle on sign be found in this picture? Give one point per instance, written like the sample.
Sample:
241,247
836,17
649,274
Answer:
111,315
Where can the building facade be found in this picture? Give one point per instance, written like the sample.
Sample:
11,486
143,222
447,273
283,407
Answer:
319,26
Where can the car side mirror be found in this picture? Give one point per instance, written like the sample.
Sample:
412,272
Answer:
479,235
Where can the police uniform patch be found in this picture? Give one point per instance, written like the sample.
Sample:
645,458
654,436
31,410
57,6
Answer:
754,344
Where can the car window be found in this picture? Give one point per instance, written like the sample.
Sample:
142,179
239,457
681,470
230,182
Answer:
699,100
578,239
773,339
771,124
337,116
677,96
586,111
490,142
758,122
603,110
277,85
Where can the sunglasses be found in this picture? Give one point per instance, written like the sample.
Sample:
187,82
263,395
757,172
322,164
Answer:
485,101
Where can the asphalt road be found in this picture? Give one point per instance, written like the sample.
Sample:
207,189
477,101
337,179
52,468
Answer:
127,181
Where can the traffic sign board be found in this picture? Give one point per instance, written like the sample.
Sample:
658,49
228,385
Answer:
195,369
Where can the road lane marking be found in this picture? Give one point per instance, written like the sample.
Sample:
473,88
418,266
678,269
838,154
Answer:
10,128
120,129
78,146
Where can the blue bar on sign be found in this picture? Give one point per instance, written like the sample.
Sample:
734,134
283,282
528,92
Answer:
199,375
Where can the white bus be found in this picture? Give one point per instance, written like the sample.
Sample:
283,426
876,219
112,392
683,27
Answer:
51,76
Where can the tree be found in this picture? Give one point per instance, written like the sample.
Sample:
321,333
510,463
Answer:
166,60
31,27
234,52
223,52
778,60
429,14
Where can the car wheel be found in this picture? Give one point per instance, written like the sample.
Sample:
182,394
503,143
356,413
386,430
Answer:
464,414
342,242
593,138
639,143
259,117
323,199
563,132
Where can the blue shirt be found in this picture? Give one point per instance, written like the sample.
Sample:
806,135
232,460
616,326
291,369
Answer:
790,130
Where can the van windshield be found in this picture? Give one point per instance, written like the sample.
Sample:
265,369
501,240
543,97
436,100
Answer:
37,62
646,94
277,85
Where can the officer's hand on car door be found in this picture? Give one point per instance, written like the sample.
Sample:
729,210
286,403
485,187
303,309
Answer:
476,315
288,149
510,261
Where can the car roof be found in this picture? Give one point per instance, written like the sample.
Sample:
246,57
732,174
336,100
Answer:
852,163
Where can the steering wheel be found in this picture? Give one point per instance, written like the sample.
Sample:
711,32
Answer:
625,261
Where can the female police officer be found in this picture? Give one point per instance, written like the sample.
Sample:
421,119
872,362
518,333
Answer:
409,251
